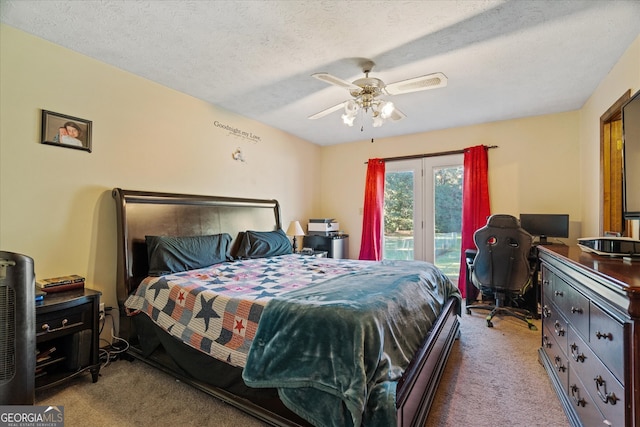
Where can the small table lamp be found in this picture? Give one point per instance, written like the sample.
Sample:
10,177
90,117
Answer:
295,230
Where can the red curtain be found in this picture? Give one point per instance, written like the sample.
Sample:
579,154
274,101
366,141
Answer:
475,203
371,242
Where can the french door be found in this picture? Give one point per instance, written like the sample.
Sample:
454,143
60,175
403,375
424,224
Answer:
423,211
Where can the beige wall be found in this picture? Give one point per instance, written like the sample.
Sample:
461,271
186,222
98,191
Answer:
56,204
533,170
624,76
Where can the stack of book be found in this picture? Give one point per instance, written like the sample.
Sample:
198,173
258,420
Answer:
59,284
42,360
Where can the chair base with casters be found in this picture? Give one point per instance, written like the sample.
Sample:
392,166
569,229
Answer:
500,309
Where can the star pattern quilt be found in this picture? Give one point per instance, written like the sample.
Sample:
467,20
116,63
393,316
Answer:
216,309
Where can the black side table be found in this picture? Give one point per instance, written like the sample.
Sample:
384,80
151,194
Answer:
67,336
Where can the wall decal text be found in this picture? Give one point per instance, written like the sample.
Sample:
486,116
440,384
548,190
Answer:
238,132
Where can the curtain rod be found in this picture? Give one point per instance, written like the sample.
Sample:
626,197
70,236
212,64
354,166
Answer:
420,156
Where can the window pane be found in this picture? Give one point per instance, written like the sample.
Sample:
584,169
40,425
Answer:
398,215
448,219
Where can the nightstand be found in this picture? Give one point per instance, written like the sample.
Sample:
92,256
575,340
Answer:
67,336
317,254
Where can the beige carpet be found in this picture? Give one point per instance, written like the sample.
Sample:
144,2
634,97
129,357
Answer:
493,378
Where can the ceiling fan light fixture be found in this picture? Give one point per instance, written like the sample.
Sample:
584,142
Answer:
386,109
351,107
379,110
377,121
348,119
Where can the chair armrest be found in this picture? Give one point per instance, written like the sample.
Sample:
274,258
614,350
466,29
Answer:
469,257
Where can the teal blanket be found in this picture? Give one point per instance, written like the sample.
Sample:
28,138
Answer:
336,349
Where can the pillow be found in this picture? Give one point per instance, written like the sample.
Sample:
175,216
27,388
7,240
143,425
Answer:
258,244
172,254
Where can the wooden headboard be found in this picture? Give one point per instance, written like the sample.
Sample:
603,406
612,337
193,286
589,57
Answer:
142,213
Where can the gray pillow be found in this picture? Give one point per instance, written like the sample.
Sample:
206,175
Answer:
172,254
259,244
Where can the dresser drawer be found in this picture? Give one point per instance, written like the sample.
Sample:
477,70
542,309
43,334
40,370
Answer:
556,325
547,284
582,403
604,389
573,305
607,340
56,323
556,355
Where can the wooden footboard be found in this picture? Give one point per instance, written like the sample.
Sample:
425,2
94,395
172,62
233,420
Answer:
418,386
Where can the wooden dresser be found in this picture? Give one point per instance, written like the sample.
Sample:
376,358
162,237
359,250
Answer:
591,334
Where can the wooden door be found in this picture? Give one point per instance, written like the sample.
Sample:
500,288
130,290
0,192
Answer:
611,164
612,177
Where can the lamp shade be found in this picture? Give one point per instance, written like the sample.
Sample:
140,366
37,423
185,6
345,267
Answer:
295,229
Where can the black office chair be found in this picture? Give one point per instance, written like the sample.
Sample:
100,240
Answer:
502,269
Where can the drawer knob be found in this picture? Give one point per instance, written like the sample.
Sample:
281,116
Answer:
559,293
546,342
546,312
574,353
604,396
576,310
575,395
607,336
46,327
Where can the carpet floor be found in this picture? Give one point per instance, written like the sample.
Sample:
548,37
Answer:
492,378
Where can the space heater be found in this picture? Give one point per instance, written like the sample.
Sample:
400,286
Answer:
17,329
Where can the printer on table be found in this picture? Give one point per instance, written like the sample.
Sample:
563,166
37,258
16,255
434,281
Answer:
323,234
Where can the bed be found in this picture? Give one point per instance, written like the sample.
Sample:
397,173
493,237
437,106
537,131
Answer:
265,330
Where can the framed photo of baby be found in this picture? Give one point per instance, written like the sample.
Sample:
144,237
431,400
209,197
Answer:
66,131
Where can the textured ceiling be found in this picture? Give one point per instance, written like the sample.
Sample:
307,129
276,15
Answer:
503,59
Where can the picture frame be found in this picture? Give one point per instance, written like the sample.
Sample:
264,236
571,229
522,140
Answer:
65,131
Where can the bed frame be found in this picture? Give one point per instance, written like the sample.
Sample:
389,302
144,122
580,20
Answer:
150,213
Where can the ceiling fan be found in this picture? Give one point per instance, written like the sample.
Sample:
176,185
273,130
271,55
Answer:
366,93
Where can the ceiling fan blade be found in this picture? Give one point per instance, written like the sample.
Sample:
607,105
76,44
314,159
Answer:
328,78
327,111
430,81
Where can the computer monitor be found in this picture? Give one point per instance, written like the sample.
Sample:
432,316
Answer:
545,225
